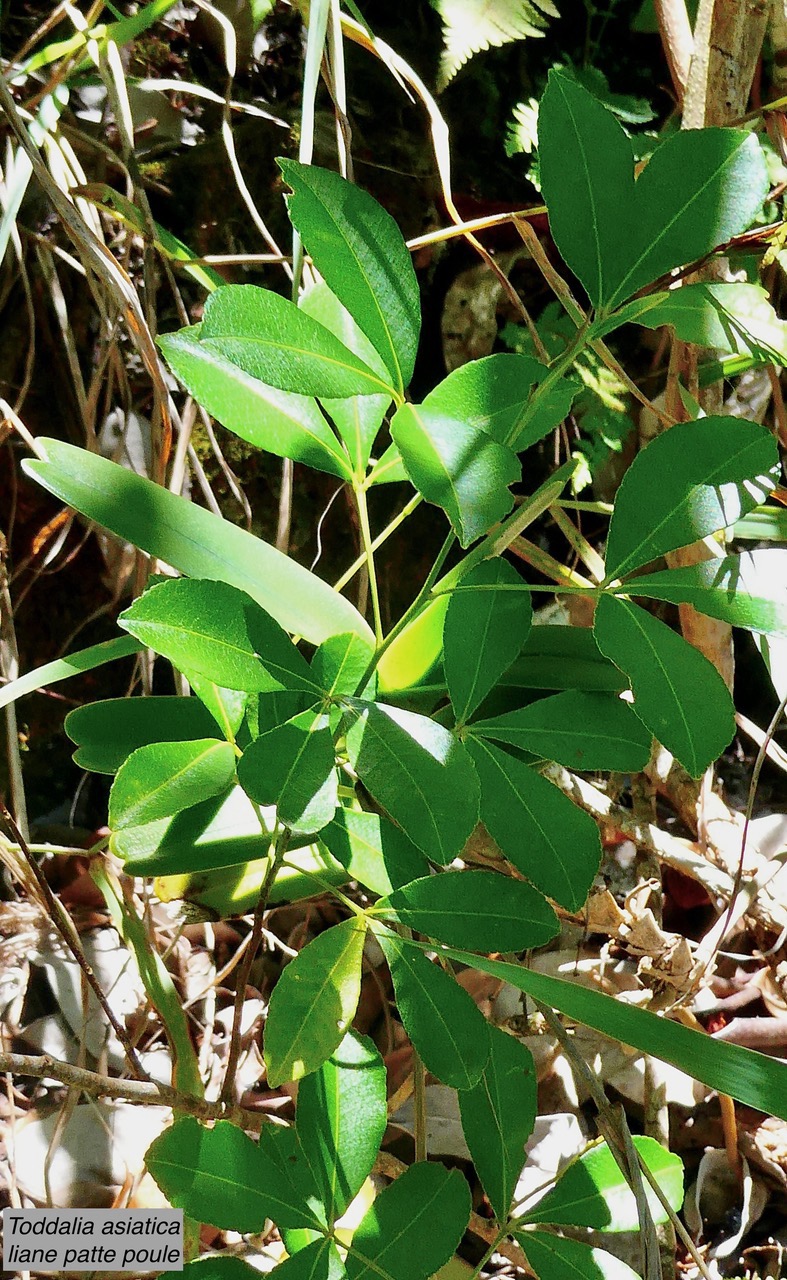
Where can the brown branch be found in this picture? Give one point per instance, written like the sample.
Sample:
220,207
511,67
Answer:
678,42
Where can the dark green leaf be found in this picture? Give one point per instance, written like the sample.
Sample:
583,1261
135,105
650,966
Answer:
592,1192
220,1176
498,1115
476,909
692,480
269,338
747,591
218,631
219,1267
580,730
107,732
417,772
288,425
456,466
413,1227
318,1261
314,1002
564,658
557,1258
294,767
373,850
162,778
64,668
483,633
444,1023
193,541
358,419
340,663
359,250
540,831
678,693
341,1118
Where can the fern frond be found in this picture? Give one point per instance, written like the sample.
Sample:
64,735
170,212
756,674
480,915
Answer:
474,25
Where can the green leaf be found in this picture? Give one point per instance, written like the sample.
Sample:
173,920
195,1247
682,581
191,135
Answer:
413,1227
678,693
731,318
498,1115
446,1027
360,252
592,1192
557,1258
457,467
288,425
269,338
416,649
340,663
358,419
161,779
294,767
700,188
692,480
107,732
477,909
218,631
314,1002
474,25
192,540
318,1261
227,707
484,632
373,850
540,831
580,730
564,658
417,772
747,591
218,1267
341,1118
63,668
220,1176
586,167
753,1078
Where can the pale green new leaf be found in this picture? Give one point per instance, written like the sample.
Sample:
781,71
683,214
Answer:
692,480
484,631
162,778
580,730
498,1115
748,591
294,767
444,1023
678,693
559,1258
472,26
736,319
314,1002
477,909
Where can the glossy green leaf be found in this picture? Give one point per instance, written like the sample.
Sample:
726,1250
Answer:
64,668
358,419
540,831
413,1227
730,318
161,779
557,657
484,632
341,1117
281,422
220,1176
580,730
218,631
417,772
416,650
374,851
294,767
318,1261
456,466
269,338
477,909
559,1258
753,1078
586,165
340,663
193,541
592,1192
227,707
692,480
360,252
678,693
498,1115
314,1002
748,591
107,732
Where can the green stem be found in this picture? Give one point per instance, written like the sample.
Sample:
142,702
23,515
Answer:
366,538
556,371
407,510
